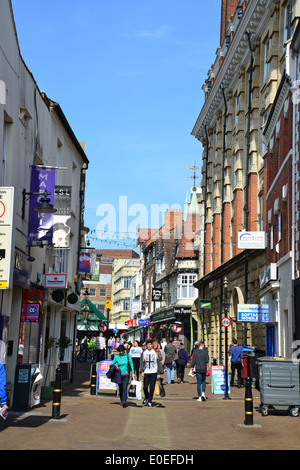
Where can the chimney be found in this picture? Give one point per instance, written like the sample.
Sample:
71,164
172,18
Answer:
227,10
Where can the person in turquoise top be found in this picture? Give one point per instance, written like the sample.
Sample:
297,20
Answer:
123,362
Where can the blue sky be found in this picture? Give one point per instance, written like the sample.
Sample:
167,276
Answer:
128,75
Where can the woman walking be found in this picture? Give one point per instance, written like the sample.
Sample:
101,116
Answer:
182,362
123,362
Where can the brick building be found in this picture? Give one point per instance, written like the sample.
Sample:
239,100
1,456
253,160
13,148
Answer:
241,179
171,266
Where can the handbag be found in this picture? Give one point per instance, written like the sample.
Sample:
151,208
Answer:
135,390
161,388
128,365
157,389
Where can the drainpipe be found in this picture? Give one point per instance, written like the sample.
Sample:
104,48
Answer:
247,169
81,197
222,219
223,177
205,214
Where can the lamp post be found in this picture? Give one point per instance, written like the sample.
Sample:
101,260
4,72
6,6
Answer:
225,283
43,207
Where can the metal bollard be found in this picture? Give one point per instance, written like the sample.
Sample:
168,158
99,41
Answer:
57,394
248,403
93,382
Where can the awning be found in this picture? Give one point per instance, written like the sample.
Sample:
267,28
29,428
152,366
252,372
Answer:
93,309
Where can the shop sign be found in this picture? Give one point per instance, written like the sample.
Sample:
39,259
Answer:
253,313
32,312
156,295
22,269
269,274
183,310
218,380
55,281
251,240
103,383
205,304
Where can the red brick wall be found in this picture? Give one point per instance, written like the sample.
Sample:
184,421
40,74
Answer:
208,249
226,232
216,241
237,219
273,163
227,10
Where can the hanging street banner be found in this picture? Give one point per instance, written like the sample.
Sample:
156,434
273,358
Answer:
40,227
85,262
6,231
62,218
253,313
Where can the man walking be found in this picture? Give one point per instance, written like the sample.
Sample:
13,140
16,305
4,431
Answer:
100,344
235,358
200,359
151,369
170,354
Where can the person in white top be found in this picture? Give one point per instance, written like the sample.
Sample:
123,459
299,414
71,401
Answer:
135,353
151,369
100,344
163,343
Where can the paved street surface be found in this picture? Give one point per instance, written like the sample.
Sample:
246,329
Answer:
176,423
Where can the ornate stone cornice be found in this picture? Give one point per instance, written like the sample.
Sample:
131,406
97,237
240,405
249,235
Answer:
255,13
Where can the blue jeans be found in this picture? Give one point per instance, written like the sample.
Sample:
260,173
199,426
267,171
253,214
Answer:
201,378
123,387
170,371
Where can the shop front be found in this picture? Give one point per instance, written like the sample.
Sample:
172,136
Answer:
28,379
176,321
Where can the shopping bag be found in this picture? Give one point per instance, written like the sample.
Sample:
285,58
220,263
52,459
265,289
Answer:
135,390
191,372
162,389
207,370
157,389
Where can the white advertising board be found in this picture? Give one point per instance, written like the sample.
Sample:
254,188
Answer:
251,240
6,230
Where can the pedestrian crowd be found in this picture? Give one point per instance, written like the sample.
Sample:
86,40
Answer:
149,360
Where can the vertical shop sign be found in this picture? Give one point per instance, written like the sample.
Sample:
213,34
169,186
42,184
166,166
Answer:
40,229
62,218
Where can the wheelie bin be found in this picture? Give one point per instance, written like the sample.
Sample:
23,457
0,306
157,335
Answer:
279,382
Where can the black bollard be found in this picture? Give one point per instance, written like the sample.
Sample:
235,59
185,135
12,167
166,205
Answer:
57,394
248,403
93,381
